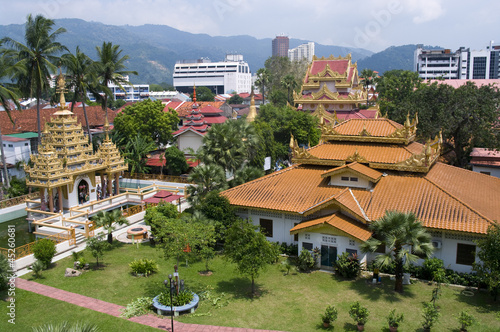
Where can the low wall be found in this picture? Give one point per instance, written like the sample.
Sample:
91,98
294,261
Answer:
30,259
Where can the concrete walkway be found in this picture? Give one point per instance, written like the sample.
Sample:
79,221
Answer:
114,309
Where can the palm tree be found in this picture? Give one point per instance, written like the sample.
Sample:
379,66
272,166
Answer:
206,178
289,83
67,327
38,57
8,93
229,144
110,69
106,219
368,76
80,69
135,153
263,80
404,236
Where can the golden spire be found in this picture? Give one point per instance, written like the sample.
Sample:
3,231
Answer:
61,88
194,93
252,114
292,142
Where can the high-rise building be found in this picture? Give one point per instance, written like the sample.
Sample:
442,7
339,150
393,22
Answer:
228,76
304,51
461,64
280,46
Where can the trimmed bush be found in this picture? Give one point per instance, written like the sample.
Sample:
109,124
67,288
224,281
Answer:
44,250
430,267
347,266
305,261
144,266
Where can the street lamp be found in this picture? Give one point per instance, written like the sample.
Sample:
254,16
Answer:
171,302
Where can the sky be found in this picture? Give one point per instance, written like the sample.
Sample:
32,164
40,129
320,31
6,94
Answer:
370,24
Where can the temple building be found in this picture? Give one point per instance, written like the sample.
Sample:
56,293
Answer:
331,90
65,167
360,169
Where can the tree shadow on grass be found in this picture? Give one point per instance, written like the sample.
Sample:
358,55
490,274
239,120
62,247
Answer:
350,327
373,292
481,300
154,288
240,288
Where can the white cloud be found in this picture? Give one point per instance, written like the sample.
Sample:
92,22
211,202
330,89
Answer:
424,10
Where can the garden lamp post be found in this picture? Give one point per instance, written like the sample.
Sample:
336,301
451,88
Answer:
169,285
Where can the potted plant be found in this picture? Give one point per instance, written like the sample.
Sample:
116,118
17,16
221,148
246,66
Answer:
359,314
430,315
329,316
465,319
394,320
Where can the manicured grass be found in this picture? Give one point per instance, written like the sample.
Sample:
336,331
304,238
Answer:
34,310
286,302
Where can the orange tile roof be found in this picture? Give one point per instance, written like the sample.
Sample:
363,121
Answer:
338,221
370,173
184,108
26,120
380,127
372,152
446,198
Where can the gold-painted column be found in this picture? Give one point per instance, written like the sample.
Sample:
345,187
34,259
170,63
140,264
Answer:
59,193
110,185
117,185
51,201
103,187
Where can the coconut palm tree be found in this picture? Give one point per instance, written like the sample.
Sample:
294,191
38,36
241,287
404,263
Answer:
404,237
8,94
106,219
39,58
110,68
80,71
263,81
289,83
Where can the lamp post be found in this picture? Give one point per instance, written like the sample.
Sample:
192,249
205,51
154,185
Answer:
166,282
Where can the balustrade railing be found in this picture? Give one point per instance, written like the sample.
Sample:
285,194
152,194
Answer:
18,200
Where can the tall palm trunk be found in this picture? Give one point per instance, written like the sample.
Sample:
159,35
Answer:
86,118
398,286
4,169
38,96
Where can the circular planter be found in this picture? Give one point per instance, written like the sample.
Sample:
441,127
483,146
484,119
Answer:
166,310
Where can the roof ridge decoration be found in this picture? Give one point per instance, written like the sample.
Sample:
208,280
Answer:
299,152
418,162
402,135
331,57
359,206
324,91
320,112
357,158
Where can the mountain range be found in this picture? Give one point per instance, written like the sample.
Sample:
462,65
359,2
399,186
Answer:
154,49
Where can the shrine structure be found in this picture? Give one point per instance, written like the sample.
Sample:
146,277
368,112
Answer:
65,167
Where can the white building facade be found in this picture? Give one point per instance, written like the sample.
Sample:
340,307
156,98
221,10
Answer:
228,76
461,64
304,51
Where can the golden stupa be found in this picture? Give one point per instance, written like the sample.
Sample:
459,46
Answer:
65,167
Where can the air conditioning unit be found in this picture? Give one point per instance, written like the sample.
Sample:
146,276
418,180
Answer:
436,244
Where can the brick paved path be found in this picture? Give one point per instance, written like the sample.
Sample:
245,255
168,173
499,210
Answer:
114,309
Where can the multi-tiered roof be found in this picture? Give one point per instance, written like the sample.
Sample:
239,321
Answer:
364,167
65,153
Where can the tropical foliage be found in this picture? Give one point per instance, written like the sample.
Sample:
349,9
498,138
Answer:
403,236
108,220
488,267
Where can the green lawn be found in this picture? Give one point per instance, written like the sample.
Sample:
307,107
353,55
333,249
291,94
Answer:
34,310
286,302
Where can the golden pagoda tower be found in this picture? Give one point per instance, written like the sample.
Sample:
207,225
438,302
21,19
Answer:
252,113
65,167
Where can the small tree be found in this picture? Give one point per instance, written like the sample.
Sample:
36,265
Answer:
158,216
176,161
306,261
248,248
430,315
235,99
489,266
96,246
107,219
44,250
465,320
178,236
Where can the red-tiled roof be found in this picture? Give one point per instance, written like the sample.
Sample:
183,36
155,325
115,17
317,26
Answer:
339,221
26,120
215,119
209,109
184,108
13,139
339,66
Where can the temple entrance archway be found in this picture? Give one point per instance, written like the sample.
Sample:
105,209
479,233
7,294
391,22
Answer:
83,192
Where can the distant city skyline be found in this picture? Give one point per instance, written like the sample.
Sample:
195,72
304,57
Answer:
373,25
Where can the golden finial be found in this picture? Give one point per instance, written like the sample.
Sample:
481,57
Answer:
61,83
292,142
407,122
252,113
